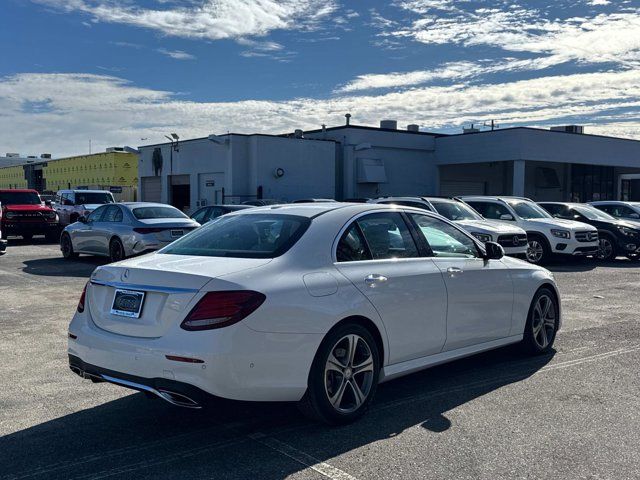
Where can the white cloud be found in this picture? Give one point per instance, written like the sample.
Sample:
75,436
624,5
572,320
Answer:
604,38
176,54
206,19
73,108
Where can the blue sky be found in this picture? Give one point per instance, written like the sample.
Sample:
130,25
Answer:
118,71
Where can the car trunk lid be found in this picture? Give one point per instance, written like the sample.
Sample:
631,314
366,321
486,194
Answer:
169,284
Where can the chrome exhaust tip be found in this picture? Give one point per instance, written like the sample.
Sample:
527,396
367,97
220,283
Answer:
178,399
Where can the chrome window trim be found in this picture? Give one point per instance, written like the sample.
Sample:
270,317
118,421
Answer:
147,288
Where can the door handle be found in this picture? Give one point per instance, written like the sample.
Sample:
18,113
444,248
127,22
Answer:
375,278
454,270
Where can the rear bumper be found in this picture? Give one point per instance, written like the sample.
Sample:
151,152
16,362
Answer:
238,363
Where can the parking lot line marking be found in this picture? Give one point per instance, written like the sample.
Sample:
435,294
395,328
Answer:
507,378
323,468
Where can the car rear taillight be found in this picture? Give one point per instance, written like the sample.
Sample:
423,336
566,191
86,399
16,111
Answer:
148,230
221,309
82,298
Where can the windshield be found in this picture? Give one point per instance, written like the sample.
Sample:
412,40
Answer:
528,210
146,213
20,198
244,236
456,211
84,198
593,213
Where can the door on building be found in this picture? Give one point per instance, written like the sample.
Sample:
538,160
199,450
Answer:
181,192
151,189
210,189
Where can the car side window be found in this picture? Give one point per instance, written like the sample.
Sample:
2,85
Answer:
97,214
490,210
445,240
352,246
215,213
200,215
387,236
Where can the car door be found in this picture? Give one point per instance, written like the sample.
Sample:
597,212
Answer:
83,234
105,228
378,254
479,291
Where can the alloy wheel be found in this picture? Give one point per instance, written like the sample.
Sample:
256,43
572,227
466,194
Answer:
117,253
66,246
544,321
605,249
535,251
348,373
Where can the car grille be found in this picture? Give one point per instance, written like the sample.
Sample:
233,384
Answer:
516,240
587,236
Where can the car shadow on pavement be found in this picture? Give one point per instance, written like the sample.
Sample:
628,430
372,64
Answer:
588,264
59,267
134,437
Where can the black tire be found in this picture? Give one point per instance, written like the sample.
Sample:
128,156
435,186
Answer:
538,250
116,250
66,246
532,342
607,250
325,379
27,237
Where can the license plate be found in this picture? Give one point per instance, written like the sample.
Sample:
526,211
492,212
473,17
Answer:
177,233
127,303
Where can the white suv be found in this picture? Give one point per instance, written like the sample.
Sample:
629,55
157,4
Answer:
547,235
512,238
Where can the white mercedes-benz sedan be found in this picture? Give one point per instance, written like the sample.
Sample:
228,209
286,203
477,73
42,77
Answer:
315,303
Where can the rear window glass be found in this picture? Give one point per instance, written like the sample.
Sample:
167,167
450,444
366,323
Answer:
245,236
145,213
83,198
19,198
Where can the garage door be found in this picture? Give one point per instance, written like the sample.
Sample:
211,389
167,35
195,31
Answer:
455,189
151,189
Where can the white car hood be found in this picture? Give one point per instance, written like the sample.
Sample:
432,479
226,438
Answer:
490,226
558,222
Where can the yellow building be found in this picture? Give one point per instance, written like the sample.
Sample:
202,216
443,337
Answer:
98,170
13,177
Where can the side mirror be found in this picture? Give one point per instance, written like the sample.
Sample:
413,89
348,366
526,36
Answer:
506,216
494,251
48,203
82,219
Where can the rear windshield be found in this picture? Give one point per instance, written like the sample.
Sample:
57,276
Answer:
244,236
83,198
19,198
145,213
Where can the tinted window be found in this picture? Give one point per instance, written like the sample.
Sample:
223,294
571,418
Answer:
83,198
144,213
387,236
248,236
19,198
96,215
591,213
352,246
528,210
444,239
555,210
217,212
200,215
455,211
490,210
112,214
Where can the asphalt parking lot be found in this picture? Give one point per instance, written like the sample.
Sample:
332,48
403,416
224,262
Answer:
573,414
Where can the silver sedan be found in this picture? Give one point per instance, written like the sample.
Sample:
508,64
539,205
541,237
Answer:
120,230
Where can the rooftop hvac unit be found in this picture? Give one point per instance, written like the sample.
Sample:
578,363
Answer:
569,129
413,127
115,149
389,124
13,155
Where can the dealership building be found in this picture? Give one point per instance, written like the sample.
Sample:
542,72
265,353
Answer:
352,161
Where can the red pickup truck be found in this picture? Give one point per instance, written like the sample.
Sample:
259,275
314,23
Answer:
24,214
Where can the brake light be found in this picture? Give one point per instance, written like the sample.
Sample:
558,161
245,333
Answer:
221,309
82,297
148,230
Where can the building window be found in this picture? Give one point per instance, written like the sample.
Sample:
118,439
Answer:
591,183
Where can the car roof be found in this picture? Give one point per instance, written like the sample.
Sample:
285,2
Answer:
388,199
80,190
18,190
499,198
569,204
311,210
142,204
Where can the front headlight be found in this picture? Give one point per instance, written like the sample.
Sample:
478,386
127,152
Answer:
483,237
627,231
561,233
9,215
50,215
